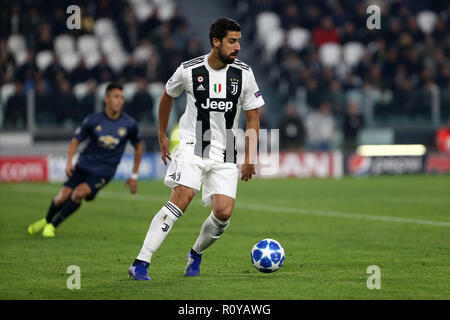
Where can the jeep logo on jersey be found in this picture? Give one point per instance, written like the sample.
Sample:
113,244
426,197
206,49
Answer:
217,104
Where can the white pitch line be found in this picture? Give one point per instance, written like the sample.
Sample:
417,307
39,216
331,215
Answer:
339,214
248,206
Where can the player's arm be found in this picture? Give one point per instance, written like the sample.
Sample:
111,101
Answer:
82,133
165,106
132,181
73,145
251,143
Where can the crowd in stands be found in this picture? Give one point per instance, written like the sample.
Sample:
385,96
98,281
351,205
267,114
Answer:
319,55
139,42
321,52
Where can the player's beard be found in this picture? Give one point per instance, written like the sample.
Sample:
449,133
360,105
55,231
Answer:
227,59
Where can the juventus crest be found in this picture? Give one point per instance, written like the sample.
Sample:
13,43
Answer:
234,86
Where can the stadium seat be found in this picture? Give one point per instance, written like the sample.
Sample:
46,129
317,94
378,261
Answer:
155,89
142,10
64,43
142,53
426,21
117,60
129,89
272,43
166,11
69,60
87,43
20,57
298,38
101,89
353,52
110,43
91,58
80,90
43,59
16,42
265,23
6,91
157,2
104,27
330,54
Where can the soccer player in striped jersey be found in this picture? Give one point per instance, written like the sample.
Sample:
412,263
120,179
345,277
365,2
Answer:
217,87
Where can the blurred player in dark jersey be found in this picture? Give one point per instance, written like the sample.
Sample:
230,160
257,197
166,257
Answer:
108,132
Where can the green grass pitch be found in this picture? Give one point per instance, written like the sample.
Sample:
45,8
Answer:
331,230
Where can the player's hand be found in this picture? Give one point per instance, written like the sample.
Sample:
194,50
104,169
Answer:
69,169
247,170
132,183
164,146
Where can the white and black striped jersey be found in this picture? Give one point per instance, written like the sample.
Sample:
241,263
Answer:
214,101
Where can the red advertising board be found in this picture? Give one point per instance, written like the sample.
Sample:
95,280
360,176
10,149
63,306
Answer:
301,165
438,162
23,168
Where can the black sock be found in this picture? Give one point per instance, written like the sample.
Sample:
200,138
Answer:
52,211
68,208
193,252
137,262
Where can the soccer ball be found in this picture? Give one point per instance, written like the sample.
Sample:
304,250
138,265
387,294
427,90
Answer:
267,255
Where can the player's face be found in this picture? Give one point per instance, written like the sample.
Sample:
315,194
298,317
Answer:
114,100
229,47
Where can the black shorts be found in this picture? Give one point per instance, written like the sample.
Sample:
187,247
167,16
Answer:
95,182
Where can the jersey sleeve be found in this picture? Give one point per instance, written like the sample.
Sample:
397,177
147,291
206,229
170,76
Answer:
251,95
83,130
175,85
134,135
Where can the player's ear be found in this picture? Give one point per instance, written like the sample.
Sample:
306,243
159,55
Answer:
216,43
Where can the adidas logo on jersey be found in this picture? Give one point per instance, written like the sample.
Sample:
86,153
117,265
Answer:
200,88
217,105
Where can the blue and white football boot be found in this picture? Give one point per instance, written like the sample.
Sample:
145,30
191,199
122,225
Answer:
139,270
193,264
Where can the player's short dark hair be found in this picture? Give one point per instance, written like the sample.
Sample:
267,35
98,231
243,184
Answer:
112,86
220,27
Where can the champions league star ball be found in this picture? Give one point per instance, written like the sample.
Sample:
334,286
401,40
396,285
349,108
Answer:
267,255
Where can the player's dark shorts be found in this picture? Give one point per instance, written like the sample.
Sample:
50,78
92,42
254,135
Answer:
95,182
